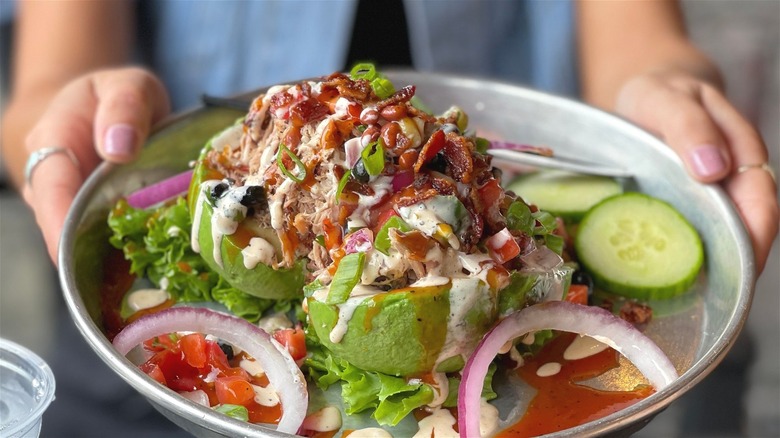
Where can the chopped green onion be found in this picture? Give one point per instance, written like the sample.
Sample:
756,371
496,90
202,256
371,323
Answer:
363,70
554,242
383,88
482,145
345,279
320,239
519,218
300,169
382,239
236,411
374,158
309,289
547,222
342,184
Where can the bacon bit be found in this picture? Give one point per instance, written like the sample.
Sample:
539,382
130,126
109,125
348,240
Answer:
457,153
359,90
306,111
413,245
412,195
335,132
636,313
415,112
402,95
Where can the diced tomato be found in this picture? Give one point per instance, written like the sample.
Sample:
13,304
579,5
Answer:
578,293
384,216
293,340
490,193
216,357
153,370
502,246
179,375
194,348
434,145
164,342
234,390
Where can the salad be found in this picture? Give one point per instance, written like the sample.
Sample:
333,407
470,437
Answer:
354,243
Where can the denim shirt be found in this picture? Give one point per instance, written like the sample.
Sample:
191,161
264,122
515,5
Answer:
225,47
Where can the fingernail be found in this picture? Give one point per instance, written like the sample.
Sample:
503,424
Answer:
707,160
120,140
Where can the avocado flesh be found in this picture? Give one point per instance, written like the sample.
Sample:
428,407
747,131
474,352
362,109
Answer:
403,332
261,281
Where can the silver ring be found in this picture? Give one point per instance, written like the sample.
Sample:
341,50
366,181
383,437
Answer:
763,166
39,155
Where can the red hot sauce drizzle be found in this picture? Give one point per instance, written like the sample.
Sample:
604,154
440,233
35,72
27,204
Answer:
560,402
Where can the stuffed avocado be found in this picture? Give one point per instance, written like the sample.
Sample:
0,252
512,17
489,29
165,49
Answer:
395,217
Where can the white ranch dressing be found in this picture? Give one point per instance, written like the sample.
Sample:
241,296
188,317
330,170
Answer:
258,251
146,298
548,369
266,396
252,367
582,347
464,295
439,424
326,419
359,294
382,186
371,432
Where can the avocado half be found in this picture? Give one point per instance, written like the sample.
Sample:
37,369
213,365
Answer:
261,281
404,332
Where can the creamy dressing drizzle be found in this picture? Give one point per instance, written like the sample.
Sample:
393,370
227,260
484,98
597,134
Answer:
266,396
146,298
258,251
548,369
382,186
440,423
582,347
326,419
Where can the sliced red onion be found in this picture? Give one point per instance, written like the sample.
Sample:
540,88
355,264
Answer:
161,191
359,241
352,149
564,316
541,259
538,150
402,180
199,396
280,367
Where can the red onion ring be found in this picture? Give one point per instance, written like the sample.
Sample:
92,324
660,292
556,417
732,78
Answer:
280,367
564,316
161,191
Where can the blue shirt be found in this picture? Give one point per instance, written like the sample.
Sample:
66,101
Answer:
225,47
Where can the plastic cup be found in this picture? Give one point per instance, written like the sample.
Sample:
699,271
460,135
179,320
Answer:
26,390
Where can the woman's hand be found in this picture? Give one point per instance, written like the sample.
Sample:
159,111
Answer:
104,115
714,141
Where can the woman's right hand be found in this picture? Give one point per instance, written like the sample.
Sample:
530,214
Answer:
105,115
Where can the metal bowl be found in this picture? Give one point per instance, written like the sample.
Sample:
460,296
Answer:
695,332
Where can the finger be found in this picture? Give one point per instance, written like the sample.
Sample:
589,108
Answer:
674,112
53,186
743,141
755,196
130,102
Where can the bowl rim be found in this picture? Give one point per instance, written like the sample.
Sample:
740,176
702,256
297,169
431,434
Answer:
643,410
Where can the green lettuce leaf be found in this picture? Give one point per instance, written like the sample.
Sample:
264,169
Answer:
392,398
157,244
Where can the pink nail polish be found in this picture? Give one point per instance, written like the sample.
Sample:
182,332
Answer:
120,140
706,160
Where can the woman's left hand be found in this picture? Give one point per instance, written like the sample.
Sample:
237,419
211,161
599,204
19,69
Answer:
716,143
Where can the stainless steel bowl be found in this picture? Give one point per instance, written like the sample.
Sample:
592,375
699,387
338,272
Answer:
696,332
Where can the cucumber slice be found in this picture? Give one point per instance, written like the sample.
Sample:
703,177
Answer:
565,194
640,247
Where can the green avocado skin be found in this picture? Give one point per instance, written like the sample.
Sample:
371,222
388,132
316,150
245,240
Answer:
261,281
400,332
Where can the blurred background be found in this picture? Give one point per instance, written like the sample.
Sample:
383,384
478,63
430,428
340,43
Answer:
740,398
